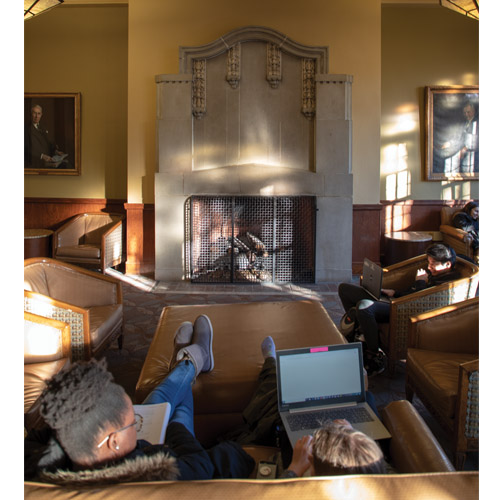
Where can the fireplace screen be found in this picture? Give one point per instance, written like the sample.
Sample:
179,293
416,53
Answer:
241,239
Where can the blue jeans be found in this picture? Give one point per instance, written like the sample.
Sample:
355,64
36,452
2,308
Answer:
176,390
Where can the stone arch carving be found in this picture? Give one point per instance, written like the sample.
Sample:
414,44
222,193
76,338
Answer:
256,34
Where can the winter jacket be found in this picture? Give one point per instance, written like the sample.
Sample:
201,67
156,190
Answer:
181,457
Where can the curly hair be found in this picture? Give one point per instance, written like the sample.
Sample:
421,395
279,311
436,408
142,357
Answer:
339,449
79,402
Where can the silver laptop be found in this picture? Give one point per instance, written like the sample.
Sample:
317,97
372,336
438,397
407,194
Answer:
372,279
317,385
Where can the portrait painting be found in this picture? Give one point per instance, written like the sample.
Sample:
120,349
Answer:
52,133
452,133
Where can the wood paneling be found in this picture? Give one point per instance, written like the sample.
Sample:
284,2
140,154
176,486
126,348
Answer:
370,223
51,213
140,238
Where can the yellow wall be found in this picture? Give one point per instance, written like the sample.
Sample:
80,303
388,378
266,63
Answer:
421,47
351,29
84,49
111,54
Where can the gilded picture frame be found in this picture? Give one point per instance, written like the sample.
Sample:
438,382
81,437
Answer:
52,133
452,133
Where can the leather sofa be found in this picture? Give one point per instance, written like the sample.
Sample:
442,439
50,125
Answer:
90,239
89,302
424,471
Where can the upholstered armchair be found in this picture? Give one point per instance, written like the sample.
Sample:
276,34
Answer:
47,350
89,302
400,276
456,238
442,369
90,239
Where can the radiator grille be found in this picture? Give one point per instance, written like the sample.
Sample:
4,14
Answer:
245,239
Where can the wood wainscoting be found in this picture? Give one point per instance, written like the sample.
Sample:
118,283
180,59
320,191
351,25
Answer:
370,223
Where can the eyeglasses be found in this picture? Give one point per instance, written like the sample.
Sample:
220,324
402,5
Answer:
138,419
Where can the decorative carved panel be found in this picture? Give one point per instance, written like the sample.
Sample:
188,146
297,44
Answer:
199,87
308,88
273,65
233,66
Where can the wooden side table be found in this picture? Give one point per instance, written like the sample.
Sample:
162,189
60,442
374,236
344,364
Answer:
37,243
403,245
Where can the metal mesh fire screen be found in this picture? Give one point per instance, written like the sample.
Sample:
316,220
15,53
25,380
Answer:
241,239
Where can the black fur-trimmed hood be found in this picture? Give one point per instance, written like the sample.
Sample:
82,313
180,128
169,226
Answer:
157,467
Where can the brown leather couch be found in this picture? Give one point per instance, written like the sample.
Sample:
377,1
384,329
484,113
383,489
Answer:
400,276
90,239
442,368
424,470
89,302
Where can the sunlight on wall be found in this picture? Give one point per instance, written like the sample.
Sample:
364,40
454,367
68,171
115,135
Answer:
395,166
456,190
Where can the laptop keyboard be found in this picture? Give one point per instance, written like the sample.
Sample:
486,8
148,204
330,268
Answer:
314,420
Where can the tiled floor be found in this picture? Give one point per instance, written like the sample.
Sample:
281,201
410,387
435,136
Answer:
144,299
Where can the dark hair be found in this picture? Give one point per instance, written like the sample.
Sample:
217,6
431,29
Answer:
79,402
470,206
339,449
442,253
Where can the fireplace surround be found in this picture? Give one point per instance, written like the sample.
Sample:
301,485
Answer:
254,114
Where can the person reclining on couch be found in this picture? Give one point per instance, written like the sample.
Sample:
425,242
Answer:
92,437
368,313
336,448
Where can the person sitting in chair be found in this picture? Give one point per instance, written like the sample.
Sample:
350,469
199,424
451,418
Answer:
368,313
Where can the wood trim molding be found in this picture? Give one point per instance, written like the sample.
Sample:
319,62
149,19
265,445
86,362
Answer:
140,238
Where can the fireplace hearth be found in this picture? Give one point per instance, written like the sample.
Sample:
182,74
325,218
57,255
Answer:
250,239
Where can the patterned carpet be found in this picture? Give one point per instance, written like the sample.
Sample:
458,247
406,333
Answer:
144,299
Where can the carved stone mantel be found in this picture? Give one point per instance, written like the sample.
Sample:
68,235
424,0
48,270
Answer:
263,116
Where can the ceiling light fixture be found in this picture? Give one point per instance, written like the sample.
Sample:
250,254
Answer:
34,7
469,8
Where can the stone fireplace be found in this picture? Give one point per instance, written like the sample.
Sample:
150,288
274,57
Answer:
254,114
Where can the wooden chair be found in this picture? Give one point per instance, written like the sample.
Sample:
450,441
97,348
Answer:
90,239
400,276
442,368
89,302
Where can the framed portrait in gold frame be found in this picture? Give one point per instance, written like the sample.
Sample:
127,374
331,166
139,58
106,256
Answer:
452,133
52,134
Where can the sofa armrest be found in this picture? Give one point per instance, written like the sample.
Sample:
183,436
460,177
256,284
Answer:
454,328
454,232
45,339
112,245
78,319
413,447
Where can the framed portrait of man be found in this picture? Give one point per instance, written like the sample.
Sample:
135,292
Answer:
452,133
52,134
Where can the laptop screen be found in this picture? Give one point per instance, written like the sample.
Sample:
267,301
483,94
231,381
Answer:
320,376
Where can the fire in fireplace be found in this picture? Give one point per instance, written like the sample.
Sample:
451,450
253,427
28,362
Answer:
250,239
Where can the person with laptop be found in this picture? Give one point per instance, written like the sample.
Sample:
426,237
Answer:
362,309
91,433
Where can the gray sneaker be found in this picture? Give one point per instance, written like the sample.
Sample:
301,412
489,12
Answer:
200,351
182,338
